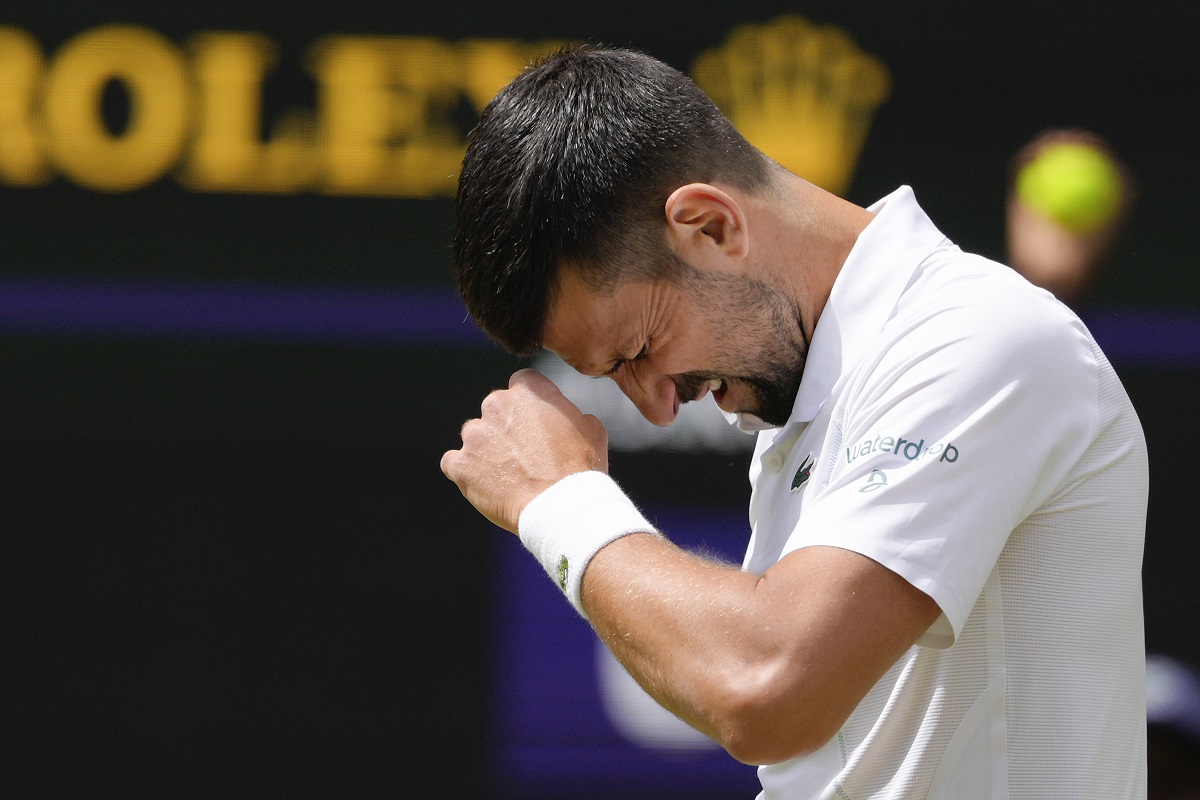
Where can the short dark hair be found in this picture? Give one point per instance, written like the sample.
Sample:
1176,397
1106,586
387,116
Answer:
573,162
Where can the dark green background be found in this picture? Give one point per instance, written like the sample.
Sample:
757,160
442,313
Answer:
233,569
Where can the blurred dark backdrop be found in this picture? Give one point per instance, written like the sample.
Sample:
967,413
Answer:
232,567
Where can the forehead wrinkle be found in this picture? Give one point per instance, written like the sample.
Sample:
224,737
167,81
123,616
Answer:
582,362
592,329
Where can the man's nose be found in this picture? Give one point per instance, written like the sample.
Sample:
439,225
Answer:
654,395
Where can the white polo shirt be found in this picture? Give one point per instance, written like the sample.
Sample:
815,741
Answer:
961,427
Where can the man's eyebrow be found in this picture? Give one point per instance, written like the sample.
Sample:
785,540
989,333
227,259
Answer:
601,369
621,355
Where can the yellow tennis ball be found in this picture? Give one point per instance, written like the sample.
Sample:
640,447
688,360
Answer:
1073,184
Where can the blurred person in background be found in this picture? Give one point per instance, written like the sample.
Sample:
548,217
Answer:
1173,717
1068,199
1067,259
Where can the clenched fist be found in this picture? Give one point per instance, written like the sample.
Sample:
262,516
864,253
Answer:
526,438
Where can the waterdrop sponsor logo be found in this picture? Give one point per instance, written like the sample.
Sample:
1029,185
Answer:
906,447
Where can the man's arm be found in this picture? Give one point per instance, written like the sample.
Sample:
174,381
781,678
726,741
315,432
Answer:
769,666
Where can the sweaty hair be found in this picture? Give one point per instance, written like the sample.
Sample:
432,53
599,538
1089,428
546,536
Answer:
572,163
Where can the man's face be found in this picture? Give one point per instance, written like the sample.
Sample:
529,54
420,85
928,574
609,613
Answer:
667,343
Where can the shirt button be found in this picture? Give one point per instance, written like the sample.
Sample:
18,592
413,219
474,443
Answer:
773,461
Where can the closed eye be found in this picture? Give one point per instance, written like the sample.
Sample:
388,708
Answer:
620,362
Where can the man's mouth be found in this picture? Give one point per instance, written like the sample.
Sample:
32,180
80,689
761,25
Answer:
717,387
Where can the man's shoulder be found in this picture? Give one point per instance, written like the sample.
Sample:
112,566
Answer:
960,297
971,329
949,275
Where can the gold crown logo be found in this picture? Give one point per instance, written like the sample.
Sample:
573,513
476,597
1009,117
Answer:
803,94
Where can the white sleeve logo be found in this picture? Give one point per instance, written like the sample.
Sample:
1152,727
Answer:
876,480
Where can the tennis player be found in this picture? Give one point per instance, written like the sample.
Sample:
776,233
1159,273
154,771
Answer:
941,594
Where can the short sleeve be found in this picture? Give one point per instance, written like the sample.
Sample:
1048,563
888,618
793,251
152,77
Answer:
963,418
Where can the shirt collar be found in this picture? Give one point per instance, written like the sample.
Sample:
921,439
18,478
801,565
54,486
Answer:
864,294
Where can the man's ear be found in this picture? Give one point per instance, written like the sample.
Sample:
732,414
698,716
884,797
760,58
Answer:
706,226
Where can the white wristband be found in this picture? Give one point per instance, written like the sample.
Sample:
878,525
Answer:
568,523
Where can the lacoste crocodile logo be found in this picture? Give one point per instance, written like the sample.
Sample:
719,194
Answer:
802,474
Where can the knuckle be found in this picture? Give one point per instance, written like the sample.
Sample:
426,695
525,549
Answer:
469,429
595,428
490,402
